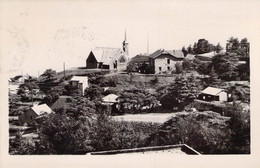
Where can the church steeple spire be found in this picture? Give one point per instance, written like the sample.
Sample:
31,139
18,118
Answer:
125,45
125,37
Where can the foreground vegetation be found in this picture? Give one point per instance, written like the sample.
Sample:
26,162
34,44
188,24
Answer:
207,132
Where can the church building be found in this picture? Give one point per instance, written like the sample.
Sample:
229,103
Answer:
109,58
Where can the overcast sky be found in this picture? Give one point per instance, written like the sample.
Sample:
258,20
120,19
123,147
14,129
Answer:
40,35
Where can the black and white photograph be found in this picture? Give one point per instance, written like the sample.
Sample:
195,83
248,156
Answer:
121,79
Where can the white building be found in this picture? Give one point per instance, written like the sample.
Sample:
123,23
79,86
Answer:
164,61
109,58
213,94
36,111
110,99
79,82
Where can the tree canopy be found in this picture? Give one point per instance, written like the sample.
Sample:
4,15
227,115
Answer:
49,75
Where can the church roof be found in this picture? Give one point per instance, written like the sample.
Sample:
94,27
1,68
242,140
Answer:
105,54
174,53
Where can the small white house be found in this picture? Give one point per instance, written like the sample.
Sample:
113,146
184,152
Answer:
110,99
30,115
13,88
213,94
79,82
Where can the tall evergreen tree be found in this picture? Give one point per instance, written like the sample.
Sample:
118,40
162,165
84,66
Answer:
213,78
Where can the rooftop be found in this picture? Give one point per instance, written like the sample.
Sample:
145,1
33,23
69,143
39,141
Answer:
209,54
174,53
111,98
79,78
212,91
180,149
41,109
105,54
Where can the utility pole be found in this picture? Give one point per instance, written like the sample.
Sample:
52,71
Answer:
147,42
64,69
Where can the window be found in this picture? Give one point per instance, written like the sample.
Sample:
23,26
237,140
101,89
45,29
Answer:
168,68
204,97
168,61
122,59
115,64
160,68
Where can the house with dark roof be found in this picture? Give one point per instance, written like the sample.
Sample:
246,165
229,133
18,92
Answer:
164,61
213,94
108,58
61,103
142,62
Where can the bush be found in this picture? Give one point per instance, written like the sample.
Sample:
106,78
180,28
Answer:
206,106
195,129
187,64
65,135
155,80
240,127
178,68
108,134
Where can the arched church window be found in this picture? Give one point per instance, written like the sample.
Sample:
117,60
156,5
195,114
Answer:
115,64
122,60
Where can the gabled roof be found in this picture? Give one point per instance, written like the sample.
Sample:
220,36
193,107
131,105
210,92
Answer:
80,79
141,58
41,109
174,53
111,98
212,91
105,54
190,56
62,102
207,55
179,149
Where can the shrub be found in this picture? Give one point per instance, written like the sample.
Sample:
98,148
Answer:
178,68
108,134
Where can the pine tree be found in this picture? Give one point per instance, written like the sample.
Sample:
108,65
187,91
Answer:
213,79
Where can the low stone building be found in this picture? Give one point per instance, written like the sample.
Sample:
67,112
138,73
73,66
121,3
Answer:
164,61
142,63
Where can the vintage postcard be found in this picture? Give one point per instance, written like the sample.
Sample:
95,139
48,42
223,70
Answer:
129,83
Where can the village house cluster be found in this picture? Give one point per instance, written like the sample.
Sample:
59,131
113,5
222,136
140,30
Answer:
158,69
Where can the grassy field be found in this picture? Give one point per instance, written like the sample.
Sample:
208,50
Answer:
151,117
